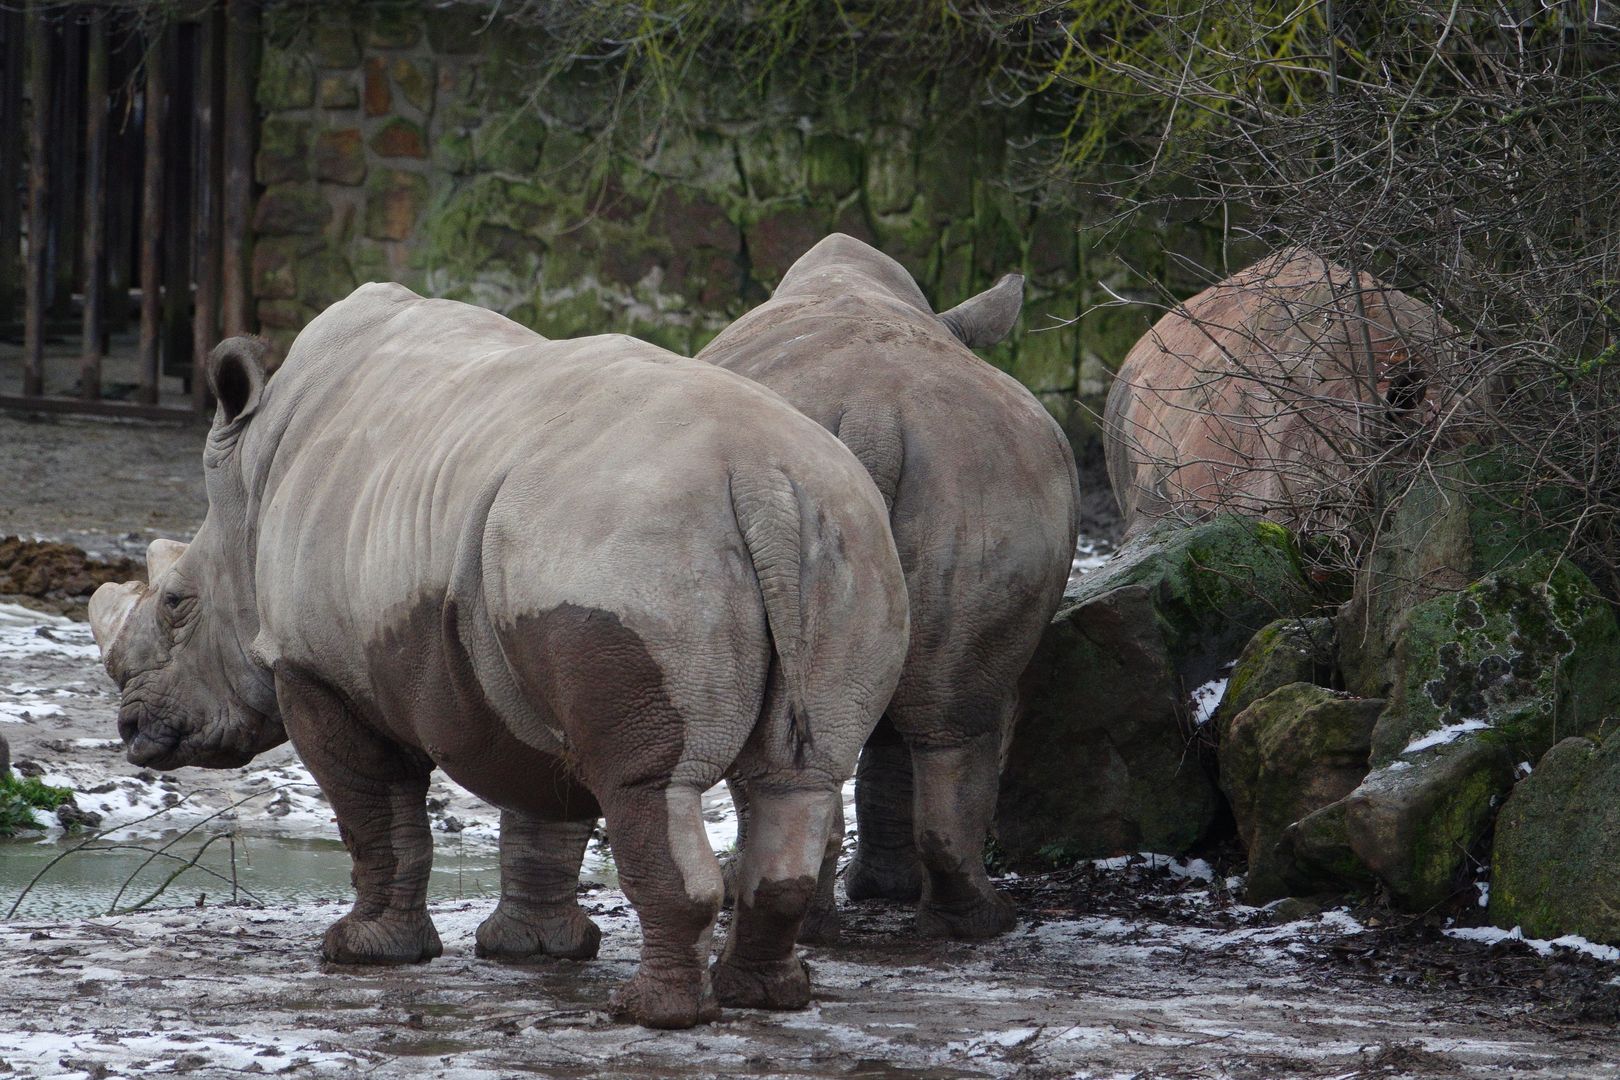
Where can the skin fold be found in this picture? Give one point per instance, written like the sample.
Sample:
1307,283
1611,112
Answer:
981,486
584,578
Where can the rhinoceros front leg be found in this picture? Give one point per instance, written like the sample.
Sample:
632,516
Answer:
539,913
378,791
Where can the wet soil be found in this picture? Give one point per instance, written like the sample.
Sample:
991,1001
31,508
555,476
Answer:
1154,977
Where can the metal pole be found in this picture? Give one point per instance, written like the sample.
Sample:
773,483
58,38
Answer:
39,82
210,163
240,33
152,221
95,207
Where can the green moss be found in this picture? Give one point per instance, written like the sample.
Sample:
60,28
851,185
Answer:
1555,866
21,796
1530,651
1287,755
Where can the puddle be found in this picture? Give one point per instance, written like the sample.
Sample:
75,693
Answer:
273,870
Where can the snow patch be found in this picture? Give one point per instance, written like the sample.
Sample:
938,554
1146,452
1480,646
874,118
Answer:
1447,734
1208,697
1490,935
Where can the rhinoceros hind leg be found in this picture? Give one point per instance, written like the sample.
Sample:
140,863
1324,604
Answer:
787,843
670,874
821,924
885,866
955,797
539,914
378,792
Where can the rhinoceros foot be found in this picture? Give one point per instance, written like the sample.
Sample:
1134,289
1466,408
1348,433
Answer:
771,984
821,925
656,1002
967,919
390,938
513,934
872,877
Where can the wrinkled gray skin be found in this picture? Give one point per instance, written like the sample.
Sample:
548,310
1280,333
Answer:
581,577
982,489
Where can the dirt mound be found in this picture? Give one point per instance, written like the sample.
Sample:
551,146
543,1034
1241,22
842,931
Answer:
55,577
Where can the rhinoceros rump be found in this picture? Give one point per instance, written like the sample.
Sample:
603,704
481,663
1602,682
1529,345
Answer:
572,574
1245,397
981,485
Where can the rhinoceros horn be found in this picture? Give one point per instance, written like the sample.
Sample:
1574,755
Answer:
980,321
110,608
160,555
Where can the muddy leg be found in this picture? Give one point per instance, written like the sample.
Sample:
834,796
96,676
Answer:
820,926
955,799
378,791
885,864
670,874
539,913
787,844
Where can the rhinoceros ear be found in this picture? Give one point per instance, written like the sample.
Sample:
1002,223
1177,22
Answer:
160,555
980,321
236,375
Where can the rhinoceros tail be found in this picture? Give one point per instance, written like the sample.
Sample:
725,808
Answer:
768,513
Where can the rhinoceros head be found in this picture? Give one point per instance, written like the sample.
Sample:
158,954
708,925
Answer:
179,646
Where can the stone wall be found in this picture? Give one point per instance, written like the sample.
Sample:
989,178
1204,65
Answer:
401,142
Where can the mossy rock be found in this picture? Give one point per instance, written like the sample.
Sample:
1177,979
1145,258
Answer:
1296,650
1100,762
1522,657
1415,822
1555,866
1313,855
1215,585
1105,758
1294,751
1446,527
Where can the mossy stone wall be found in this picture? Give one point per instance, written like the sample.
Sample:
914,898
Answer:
404,142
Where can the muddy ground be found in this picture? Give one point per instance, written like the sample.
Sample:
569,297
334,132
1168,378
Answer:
1128,968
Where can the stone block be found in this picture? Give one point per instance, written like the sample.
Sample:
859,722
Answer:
379,95
414,78
283,155
291,209
286,80
340,156
394,204
398,137
337,91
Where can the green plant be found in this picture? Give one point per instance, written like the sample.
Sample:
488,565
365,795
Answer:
20,796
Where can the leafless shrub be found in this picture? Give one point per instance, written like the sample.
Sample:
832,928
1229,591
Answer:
1466,152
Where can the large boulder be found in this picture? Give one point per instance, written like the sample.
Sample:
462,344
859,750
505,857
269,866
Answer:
1296,650
1528,653
1452,523
1481,679
1414,823
1292,752
1106,756
1555,867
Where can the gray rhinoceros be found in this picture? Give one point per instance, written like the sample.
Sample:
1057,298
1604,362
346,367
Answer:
572,574
981,484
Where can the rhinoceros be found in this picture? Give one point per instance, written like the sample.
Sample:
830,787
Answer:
582,577
981,486
1246,396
